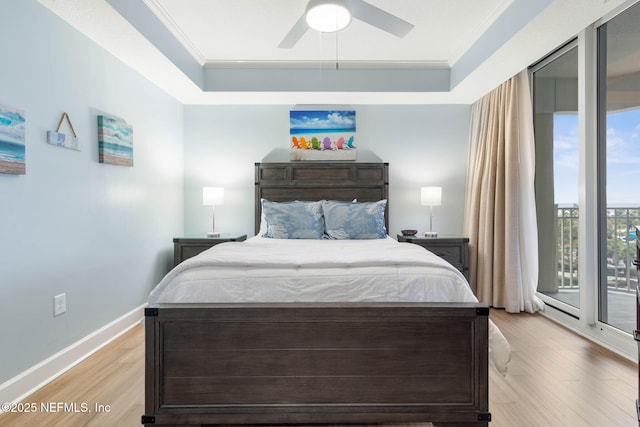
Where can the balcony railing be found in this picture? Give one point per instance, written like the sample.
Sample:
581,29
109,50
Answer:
621,247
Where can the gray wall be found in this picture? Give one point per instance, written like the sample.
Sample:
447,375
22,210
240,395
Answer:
424,145
99,233
102,234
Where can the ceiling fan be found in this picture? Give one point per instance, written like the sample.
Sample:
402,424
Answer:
339,14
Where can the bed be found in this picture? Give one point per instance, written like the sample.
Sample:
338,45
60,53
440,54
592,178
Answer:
367,340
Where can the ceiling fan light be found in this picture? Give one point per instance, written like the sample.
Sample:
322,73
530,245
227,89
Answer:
327,16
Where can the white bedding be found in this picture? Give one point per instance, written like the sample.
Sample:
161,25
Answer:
297,271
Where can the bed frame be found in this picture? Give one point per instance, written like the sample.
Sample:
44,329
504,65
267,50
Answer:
317,363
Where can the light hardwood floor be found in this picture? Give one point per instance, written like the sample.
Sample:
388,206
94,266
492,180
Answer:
556,378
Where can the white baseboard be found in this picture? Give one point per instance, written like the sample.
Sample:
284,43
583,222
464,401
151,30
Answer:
603,335
22,385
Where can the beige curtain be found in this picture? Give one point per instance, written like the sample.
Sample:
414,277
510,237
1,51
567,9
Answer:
500,215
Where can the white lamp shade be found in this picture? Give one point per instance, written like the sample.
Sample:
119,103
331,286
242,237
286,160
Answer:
327,15
212,196
431,196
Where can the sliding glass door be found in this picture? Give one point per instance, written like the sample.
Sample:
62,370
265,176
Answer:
555,95
619,166
586,101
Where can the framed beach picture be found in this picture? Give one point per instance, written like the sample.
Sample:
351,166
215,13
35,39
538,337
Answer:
115,141
12,141
322,134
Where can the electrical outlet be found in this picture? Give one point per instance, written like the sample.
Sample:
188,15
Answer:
59,304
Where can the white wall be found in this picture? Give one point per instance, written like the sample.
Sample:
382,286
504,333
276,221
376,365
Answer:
99,233
424,145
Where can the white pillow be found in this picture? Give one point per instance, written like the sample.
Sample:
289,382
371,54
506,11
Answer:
263,222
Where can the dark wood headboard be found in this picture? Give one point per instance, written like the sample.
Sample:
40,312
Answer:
286,182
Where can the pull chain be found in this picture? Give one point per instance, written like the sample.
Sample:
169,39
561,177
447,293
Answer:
337,65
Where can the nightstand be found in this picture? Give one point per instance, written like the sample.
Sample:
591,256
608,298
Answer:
186,247
453,249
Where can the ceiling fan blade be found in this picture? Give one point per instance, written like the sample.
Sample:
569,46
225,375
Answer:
377,17
295,33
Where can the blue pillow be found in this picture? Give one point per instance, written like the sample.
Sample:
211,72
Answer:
293,220
347,220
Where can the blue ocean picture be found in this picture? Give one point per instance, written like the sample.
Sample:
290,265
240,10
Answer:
330,131
115,141
12,141
322,129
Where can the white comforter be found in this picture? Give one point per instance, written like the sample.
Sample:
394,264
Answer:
297,271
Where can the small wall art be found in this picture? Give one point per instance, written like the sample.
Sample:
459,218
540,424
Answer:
61,139
12,141
115,141
322,134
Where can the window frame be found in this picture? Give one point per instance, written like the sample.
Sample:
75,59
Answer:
592,217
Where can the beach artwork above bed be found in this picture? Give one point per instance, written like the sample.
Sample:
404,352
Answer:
12,141
115,141
322,134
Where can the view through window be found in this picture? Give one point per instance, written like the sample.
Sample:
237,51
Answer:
555,85
619,165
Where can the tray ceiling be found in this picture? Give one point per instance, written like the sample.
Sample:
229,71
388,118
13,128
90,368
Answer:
221,51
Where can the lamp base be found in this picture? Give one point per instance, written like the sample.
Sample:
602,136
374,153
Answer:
213,234
430,234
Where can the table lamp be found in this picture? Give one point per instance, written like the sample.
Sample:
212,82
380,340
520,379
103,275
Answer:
431,196
212,196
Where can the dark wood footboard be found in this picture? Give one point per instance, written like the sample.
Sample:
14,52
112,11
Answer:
317,363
